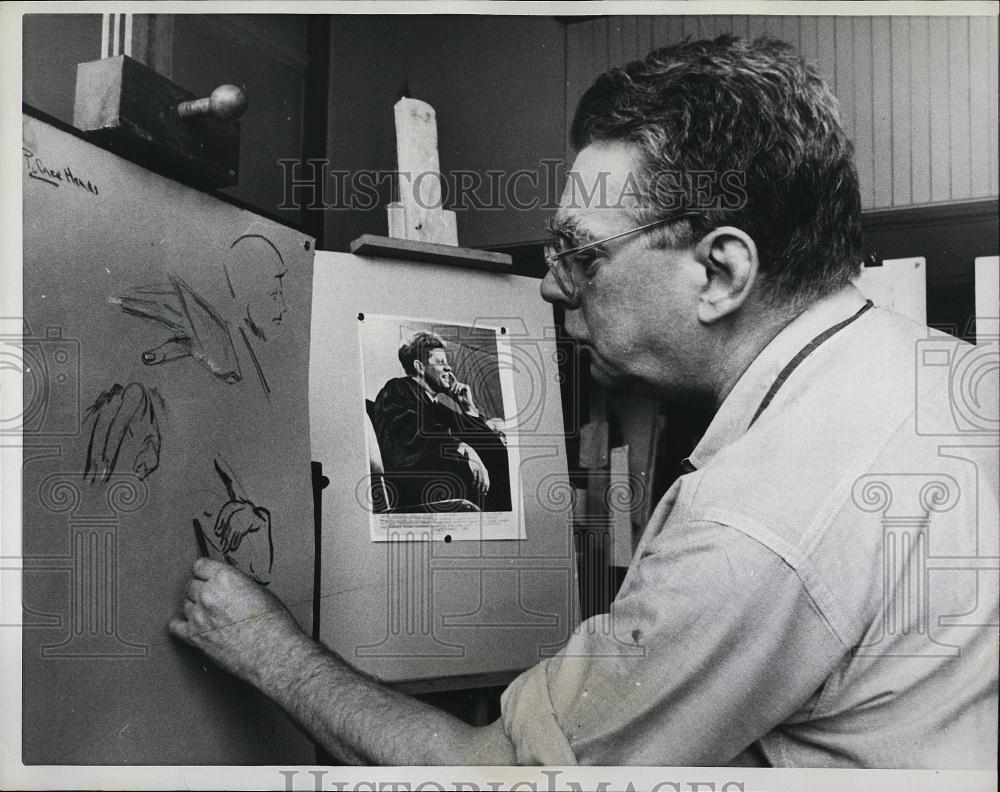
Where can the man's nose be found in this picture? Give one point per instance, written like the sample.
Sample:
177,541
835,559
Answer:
553,293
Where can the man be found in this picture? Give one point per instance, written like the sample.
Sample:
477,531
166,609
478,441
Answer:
773,590
436,458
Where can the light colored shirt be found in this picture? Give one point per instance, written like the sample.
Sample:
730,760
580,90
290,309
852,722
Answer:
821,590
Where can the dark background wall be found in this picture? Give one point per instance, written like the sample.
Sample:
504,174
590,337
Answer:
496,83
265,53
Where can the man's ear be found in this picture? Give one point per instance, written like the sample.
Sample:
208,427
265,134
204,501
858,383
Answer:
729,257
418,366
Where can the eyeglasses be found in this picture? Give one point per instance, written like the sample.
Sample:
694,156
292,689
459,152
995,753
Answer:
556,255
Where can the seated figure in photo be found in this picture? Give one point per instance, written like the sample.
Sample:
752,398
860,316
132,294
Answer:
431,453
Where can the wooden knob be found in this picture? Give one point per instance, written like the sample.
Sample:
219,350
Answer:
226,101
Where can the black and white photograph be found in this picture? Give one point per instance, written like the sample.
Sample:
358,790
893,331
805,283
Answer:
439,440
500,396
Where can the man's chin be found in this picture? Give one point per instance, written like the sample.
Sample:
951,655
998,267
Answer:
615,380
603,374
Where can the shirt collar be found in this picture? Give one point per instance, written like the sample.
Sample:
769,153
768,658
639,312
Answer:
737,410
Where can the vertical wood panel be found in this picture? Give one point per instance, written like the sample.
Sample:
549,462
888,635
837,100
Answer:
901,123
774,27
740,25
667,30
602,54
809,45
979,96
791,31
994,94
918,95
882,110
756,26
578,73
630,51
844,71
826,58
615,57
940,126
691,27
861,63
717,25
959,107
643,35
920,111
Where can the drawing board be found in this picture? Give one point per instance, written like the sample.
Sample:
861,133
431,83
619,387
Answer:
428,606
165,376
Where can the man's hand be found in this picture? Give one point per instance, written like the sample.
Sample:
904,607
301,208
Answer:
239,624
461,392
480,476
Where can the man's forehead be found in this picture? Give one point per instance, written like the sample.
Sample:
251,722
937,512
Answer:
602,190
437,355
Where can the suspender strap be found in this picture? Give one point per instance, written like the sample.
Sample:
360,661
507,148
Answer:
805,352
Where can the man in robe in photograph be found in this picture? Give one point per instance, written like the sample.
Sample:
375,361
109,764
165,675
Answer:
434,456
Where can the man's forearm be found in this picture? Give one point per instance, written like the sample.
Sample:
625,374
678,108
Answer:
358,719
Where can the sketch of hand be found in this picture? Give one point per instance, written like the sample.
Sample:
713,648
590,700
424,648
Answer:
198,330
125,431
242,530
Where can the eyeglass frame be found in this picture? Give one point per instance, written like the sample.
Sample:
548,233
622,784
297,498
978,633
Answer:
563,277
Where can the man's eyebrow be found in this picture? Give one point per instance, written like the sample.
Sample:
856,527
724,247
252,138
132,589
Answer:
566,227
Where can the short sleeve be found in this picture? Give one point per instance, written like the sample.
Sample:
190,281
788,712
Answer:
711,643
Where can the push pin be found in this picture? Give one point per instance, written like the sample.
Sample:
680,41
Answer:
226,102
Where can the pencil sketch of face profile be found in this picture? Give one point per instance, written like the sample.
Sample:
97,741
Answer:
254,274
125,433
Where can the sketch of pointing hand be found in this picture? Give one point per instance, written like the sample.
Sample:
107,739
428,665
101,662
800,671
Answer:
198,331
241,535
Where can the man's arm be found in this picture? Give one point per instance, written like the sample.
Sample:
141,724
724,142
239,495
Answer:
247,631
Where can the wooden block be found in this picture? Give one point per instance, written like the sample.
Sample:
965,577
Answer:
419,175
620,507
396,219
640,423
410,250
594,445
128,108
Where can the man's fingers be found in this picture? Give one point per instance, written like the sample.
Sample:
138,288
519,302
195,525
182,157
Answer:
205,568
194,587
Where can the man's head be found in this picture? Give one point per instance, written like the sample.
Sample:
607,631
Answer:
747,138
423,357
